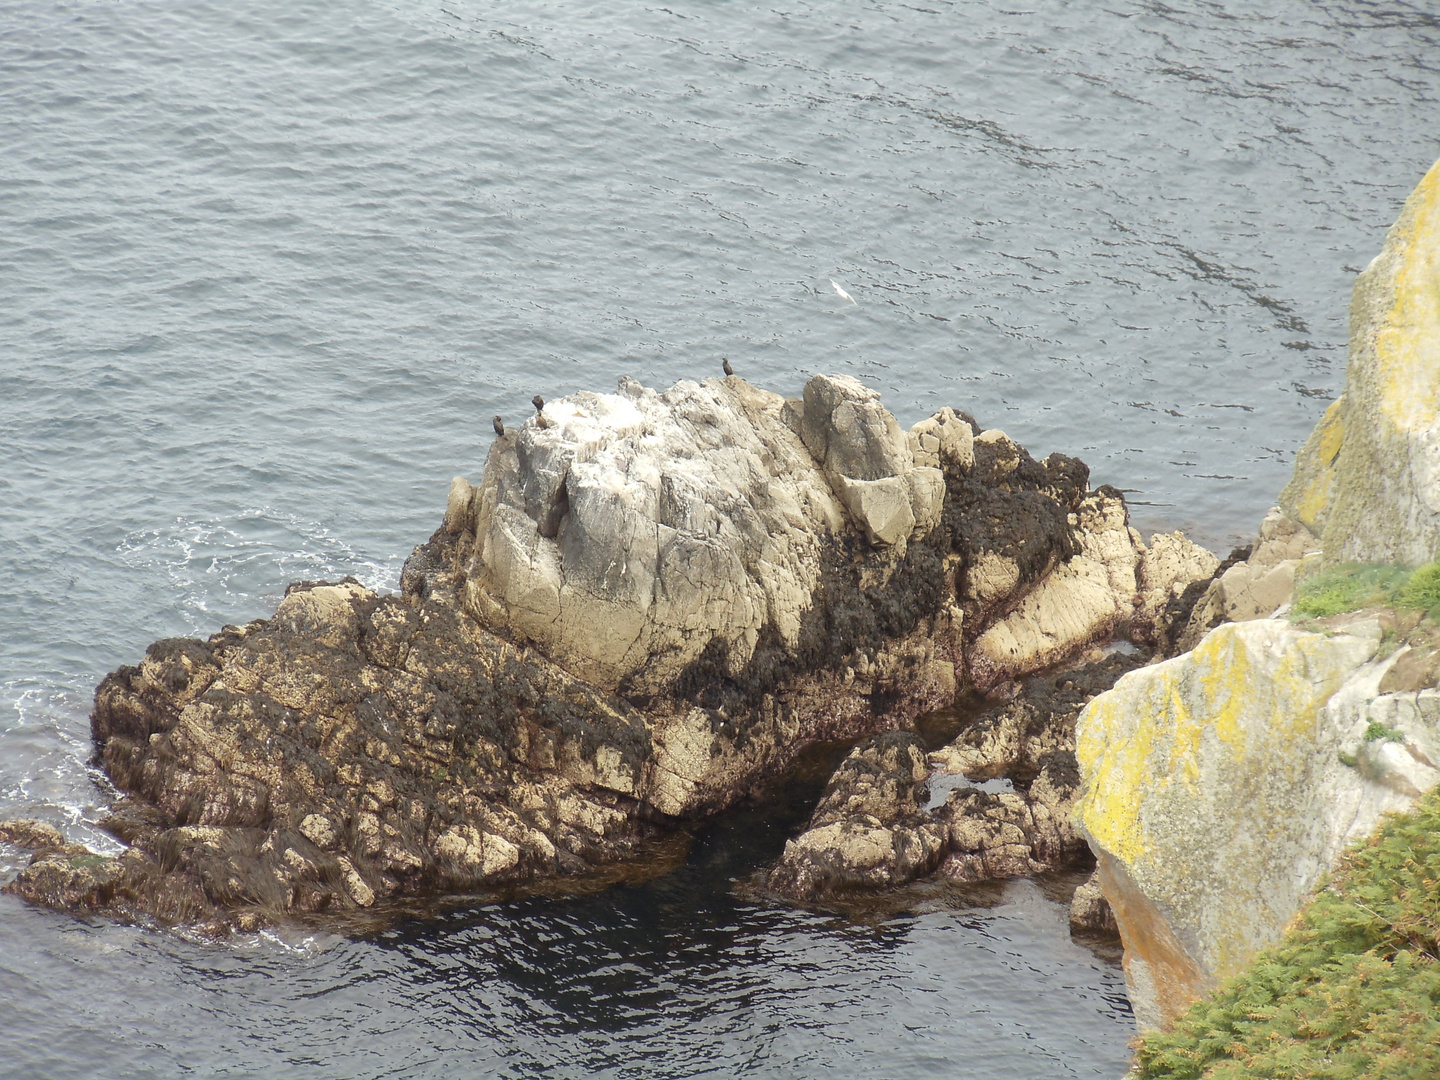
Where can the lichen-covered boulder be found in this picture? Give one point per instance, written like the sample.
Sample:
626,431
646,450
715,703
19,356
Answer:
1220,786
1367,481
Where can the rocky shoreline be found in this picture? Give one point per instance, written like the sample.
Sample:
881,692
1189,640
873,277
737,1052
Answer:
648,606
653,602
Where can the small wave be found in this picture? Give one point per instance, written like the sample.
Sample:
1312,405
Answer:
231,570
46,769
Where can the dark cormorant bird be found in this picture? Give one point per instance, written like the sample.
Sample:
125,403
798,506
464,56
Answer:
725,363
499,425
538,402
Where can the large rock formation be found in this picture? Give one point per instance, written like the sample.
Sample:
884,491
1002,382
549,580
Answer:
1253,587
1367,481
647,607
627,534
1222,785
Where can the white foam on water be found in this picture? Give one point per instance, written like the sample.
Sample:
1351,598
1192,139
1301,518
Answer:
46,769
233,570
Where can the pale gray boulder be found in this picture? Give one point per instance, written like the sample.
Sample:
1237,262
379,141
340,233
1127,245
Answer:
1257,587
868,461
623,532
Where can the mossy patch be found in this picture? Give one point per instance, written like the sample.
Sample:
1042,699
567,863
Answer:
1377,732
1353,586
1422,590
1347,588
1352,991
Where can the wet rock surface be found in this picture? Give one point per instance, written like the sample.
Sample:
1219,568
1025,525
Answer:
878,823
1090,912
650,604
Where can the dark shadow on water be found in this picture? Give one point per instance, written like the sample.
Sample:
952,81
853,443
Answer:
628,955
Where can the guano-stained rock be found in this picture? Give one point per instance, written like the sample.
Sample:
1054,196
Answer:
647,607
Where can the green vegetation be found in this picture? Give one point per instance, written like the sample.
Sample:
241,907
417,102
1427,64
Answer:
1377,731
1422,591
1347,588
1360,585
1352,991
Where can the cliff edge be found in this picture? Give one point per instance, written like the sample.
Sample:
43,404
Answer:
1221,787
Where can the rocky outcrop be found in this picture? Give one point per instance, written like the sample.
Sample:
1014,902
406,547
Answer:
353,748
887,817
1256,587
1367,481
647,607
1090,912
1222,785
632,535
869,829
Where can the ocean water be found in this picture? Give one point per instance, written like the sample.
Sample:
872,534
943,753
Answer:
267,270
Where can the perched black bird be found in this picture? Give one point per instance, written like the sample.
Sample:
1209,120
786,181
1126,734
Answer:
538,402
725,363
499,425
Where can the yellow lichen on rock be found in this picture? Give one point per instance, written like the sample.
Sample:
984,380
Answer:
1407,343
1308,494
1368,478
1198,779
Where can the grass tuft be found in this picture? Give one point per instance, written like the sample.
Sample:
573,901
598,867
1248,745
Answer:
1347,588
1422,590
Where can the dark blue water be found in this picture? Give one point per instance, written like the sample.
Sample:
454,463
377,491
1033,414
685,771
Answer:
266,271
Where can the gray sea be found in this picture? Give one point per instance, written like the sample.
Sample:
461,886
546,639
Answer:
267,270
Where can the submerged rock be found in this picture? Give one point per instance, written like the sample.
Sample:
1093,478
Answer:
648,606
1090,912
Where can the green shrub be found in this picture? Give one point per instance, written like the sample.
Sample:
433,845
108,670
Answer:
1422,590
1347,588
1352,991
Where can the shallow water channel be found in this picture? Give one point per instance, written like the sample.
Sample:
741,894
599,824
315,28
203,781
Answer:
692,973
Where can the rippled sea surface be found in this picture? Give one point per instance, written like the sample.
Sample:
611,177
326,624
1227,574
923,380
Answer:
267,270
